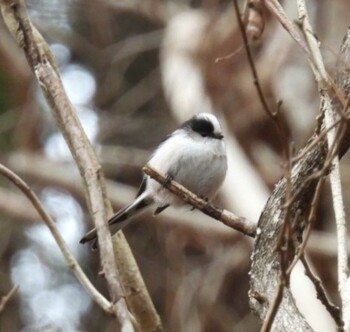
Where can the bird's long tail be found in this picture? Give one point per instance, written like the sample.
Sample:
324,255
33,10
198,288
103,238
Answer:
120,219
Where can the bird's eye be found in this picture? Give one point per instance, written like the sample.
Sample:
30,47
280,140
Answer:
202,127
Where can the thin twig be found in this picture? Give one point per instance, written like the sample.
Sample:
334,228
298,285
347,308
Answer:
333,151
284,242
251,61
324,84
273,307
321,294
254,19
320,136
71,261
229,219
5,299
274,115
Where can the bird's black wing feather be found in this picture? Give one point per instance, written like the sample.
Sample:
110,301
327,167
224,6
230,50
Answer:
142,187
160,209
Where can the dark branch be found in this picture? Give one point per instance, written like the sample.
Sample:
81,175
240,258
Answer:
321,294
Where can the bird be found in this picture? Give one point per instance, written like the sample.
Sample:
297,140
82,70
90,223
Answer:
194,155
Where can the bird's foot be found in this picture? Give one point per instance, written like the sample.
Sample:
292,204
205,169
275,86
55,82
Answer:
169,178
206,199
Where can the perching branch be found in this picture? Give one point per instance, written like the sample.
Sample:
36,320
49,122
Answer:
229,219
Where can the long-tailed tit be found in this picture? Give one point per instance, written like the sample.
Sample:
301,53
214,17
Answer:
193,155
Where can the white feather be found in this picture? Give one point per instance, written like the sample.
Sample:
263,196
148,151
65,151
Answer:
195,159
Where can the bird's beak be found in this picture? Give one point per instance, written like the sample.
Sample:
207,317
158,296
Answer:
218,136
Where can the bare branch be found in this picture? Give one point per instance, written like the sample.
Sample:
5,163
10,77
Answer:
238,223
274,306
16,206
321,294
71,261
251,62
43,172
42,64
80,146
274,115
158,11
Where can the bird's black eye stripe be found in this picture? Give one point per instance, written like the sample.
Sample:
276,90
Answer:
201,126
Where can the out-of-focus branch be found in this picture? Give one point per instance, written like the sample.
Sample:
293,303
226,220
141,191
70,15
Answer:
158,11
238,223
323,243
113,158
140,93
44,172
5,299
134,45
251,61
277,10
71,261
274,115
254,19
42,64
16,206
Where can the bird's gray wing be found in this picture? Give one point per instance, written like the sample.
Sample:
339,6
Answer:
122,217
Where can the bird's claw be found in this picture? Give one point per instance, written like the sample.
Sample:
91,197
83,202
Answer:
168,178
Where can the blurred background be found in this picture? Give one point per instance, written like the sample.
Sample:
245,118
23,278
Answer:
134,70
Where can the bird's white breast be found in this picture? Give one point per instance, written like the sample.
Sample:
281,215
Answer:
198,164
